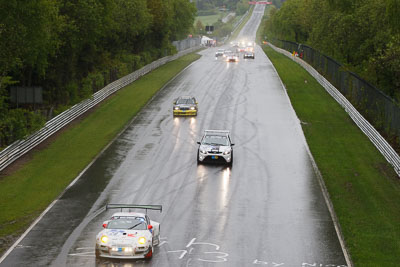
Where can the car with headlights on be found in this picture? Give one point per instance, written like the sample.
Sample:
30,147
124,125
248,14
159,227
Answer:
248,54
215,146
219,53
232,57
227,52
128,235
185,106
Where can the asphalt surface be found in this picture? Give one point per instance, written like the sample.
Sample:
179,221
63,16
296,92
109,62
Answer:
268,209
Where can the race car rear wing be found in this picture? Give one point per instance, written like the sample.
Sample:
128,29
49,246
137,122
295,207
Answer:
133,206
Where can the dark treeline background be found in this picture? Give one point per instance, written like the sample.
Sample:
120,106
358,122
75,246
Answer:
73,48
364,35
208,7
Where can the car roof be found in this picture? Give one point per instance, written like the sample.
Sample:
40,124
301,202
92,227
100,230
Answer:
185,97
216,132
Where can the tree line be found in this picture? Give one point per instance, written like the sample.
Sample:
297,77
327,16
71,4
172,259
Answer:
72,48
364,35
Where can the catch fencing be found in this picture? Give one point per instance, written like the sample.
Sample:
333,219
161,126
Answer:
381,144
21,147
187,43
381,110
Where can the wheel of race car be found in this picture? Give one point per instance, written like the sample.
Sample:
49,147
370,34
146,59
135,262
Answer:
97,252
149,255
159,235
231,162
198,160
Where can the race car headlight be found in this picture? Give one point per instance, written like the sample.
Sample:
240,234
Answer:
176,108
192,108
142,240
203,151
227,152
104,239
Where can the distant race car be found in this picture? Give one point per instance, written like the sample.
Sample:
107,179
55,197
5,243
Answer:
215,146
235,44
185,106
227,52
219,53
249,49
248,55
128,235
232,57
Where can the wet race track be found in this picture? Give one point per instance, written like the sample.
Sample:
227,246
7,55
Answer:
268,209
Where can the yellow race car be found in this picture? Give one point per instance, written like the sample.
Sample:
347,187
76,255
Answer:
185,106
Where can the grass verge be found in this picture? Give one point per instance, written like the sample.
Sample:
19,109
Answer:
209,20
28,191
363,187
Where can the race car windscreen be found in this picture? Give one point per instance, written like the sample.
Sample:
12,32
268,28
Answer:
134,223
184,101
216,140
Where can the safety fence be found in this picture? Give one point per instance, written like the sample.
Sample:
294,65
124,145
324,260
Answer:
381,144
381,110
186,43
21,147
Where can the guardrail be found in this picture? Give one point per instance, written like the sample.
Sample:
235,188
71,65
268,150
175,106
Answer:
380,143
21,147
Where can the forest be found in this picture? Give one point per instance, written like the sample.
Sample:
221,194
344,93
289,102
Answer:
72,48
364,35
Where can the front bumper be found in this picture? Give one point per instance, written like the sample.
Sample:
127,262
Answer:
136,253
188,112
212,157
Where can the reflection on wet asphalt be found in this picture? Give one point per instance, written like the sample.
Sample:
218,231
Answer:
266,210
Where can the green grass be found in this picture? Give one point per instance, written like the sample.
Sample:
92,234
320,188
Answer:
363,187
209,20
27,192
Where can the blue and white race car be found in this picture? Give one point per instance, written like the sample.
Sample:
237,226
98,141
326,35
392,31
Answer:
128,235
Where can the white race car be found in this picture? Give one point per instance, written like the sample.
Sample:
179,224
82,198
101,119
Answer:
219,53
232,57
215,146
128,235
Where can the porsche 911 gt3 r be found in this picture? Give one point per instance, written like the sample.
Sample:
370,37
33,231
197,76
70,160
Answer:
215,146
128,235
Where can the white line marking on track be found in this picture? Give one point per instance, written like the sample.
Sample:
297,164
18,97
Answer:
191,242
162,243
182,255
221,258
